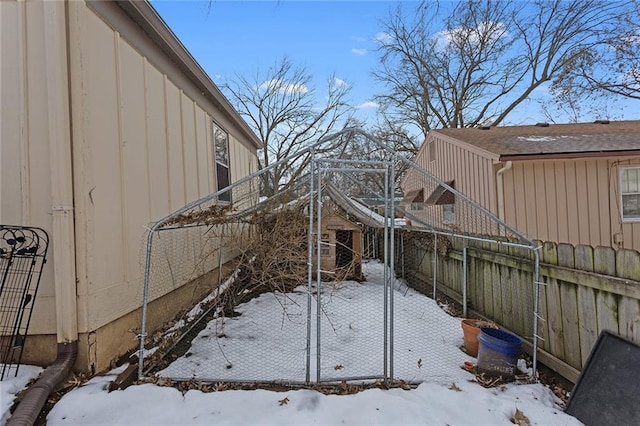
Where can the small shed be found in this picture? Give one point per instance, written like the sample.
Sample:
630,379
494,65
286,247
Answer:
341,247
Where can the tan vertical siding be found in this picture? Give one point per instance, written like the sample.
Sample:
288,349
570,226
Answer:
141,149
190,162
174,147
568,201
25,183
551,208
202,125
147,150
157,143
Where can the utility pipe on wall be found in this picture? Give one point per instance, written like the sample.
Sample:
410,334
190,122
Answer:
500,188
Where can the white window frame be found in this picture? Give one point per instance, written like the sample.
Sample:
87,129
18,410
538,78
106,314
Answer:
221,162
623,194
449,214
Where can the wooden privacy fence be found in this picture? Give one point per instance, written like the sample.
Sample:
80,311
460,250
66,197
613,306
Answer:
584,290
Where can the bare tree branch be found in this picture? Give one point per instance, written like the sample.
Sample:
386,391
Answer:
280,105
475,63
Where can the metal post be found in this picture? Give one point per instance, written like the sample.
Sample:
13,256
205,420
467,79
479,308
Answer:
309,271
404,276
318,272
435,264
145,299
392,279
385,315
464,282
536,303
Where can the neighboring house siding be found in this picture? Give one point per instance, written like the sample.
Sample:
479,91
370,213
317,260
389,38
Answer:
572,201
473,173
472,170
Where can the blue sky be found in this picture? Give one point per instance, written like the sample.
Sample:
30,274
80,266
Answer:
240,37
229,37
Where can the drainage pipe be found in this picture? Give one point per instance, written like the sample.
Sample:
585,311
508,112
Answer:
29,408
62,211
500,188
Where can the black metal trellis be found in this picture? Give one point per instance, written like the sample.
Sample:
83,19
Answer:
22,257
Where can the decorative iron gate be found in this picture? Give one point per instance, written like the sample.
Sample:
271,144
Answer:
22,256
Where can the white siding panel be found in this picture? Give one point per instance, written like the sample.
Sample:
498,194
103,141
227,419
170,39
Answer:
135,174
204,171
13,131
100,62
156,143
174,147
189,147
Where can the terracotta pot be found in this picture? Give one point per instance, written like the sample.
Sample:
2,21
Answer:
470,330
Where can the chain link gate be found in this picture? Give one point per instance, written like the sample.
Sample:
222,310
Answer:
267,310
336,324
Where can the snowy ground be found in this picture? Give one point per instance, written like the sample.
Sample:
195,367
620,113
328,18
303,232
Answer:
267,342
12,384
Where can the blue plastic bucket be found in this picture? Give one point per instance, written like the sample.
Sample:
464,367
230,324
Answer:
498,352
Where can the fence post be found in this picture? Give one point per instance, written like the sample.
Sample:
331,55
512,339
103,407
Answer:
464,281
435,264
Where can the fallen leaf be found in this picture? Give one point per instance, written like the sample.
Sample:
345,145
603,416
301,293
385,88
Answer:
455,388
420,363
520,419
283,401
338,367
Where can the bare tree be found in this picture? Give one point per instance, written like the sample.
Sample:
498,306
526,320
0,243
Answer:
281,107
358,147
474,63
611,68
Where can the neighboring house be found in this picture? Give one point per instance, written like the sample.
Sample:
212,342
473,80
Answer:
108,125
566,183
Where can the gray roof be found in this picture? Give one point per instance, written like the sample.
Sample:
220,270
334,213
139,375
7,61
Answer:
569,140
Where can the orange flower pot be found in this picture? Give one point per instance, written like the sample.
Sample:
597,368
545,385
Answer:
470,331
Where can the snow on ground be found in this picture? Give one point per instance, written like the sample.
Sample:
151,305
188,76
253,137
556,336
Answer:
267,342
12,384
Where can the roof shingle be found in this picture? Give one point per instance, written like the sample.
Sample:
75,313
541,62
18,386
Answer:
579,138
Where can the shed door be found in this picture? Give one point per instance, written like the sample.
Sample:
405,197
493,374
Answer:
344,249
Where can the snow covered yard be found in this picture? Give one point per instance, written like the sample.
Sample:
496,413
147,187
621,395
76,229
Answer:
267,341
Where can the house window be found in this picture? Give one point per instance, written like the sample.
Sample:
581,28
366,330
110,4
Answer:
448,213
221,150
630,193
417,206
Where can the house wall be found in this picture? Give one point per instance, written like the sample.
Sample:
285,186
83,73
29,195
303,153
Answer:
34,102
473,171
573,201
141,134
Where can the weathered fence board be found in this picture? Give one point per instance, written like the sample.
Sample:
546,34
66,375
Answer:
583,291
587,320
